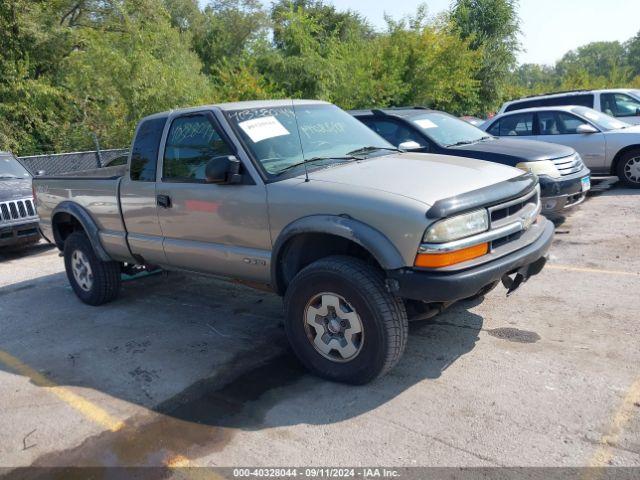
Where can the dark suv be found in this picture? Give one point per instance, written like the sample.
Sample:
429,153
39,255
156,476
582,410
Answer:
564,179
18,217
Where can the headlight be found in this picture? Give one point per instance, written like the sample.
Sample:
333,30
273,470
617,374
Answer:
542,167
457,227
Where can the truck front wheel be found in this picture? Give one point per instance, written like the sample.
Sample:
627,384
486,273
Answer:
341,321
94,281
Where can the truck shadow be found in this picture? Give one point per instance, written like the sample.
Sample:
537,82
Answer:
240,375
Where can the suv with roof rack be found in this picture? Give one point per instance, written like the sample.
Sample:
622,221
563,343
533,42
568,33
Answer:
564,180
618,102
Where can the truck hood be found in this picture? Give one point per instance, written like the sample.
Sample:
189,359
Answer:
504,149
422,177
15,189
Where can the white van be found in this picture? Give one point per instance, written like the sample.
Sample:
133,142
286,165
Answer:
623,103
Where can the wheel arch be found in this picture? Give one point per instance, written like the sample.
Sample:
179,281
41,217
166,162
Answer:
69,217
619,155
317,236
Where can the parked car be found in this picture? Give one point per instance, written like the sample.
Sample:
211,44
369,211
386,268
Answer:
472,120
18,216
607,145
564,180
618,102
302,197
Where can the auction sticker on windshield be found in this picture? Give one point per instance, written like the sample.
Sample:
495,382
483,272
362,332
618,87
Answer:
263,128
425,123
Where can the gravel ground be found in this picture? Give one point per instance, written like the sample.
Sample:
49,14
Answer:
186,370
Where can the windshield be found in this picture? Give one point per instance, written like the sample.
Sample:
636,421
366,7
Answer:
10,168
599,119
447,130
327,134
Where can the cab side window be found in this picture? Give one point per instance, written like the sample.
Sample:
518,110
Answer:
619,105
394,132
191,143
513,125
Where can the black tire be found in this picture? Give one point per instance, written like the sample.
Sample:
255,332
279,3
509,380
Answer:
624,165
105,278
382,315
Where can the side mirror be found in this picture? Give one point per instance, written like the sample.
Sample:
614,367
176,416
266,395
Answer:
224,170
410,145
586,128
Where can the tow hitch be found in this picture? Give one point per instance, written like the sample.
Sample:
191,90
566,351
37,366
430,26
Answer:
521,275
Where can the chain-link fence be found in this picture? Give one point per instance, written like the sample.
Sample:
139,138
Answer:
57,163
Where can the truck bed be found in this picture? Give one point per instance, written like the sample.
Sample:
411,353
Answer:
97,173
95,191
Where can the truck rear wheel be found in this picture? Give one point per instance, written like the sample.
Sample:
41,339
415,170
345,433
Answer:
341,321
94,282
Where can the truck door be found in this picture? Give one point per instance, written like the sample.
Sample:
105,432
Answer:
209,227
138,193
561,127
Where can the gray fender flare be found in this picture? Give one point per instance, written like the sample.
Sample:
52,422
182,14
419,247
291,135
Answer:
88,224
372,240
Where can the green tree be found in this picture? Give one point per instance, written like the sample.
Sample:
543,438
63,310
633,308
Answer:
118,75
32,106
229,30
597,59
492,27
632,53
329,22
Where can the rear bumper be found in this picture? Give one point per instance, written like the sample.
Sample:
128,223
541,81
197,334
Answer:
445,287
560,193
19,234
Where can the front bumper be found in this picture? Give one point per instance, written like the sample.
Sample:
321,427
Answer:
15,235
446,287
560,193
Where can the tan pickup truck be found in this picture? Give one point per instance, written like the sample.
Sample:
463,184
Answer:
358,236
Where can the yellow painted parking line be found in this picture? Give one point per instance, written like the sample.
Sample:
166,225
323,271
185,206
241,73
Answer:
88,409
190,471
75,401
570,268
622,417
177,461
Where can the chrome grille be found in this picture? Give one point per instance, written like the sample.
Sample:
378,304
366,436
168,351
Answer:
568,165
509,212
16,210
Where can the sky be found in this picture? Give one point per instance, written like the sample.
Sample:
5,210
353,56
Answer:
550,28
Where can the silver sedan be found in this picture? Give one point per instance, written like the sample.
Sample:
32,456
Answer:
606,145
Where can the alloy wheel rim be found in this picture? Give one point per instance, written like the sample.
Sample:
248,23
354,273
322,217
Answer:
81,269
333,327
632,170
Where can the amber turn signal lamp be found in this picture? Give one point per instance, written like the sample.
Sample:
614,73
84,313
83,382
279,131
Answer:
437,260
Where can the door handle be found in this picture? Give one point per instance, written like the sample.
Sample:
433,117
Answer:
163,201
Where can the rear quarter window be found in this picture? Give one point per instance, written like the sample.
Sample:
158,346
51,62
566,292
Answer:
144,154
519,124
